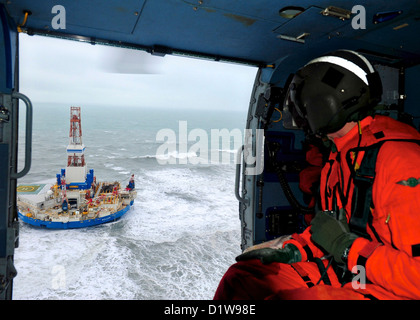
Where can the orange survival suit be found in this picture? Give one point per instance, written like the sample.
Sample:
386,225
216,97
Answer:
390,251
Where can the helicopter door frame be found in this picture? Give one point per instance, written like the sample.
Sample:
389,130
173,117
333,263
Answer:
9,146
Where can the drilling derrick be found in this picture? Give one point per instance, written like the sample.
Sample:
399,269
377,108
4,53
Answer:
76,169
75,149
76,175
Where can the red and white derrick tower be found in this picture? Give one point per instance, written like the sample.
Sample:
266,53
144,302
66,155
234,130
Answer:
76,169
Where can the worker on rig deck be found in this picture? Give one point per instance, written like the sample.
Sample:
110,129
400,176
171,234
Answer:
364,243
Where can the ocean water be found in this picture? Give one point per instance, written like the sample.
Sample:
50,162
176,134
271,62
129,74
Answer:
175,243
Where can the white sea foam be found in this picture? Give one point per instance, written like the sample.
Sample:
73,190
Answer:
117,168
174,244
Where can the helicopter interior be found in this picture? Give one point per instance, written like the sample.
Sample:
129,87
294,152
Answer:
277,38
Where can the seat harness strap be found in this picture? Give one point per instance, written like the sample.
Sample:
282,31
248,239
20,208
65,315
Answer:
363,178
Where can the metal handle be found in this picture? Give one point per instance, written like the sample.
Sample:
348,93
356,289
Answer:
28,135
238,176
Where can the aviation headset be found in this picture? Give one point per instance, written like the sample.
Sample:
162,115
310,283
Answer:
333,89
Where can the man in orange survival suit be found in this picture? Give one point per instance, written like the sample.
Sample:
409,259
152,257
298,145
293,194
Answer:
334,93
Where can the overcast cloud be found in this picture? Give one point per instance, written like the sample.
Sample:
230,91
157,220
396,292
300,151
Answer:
73,73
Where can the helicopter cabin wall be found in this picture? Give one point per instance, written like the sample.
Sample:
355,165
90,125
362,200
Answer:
412,94
265,211
245,190
274,205
284,158
279,198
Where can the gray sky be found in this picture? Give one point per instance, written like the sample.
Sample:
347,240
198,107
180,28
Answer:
73,73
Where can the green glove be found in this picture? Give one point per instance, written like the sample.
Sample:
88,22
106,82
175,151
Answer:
332,234
289,254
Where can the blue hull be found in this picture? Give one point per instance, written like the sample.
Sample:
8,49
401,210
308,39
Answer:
75,224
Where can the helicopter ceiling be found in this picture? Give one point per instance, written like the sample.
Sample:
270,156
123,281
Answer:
261,33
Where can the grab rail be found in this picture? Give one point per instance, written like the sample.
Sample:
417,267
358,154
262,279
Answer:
28,135
238,176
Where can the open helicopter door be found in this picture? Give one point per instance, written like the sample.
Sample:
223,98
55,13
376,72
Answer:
9,172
